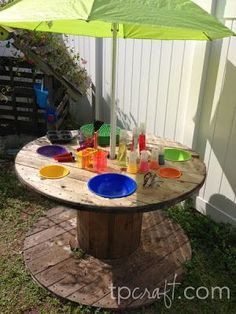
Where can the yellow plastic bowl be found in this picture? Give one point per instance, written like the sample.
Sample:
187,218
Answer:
54,171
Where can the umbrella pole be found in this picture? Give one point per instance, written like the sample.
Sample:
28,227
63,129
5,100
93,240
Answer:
113,86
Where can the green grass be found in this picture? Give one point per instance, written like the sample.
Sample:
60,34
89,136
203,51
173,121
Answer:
213,263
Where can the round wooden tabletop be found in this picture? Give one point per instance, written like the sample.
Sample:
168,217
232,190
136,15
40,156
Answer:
72,190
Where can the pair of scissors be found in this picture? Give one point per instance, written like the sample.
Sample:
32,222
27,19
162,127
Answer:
151,180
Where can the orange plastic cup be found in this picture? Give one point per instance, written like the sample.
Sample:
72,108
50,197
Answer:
85,158
100,161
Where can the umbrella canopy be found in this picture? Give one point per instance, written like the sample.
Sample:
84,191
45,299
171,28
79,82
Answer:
153,19
147,19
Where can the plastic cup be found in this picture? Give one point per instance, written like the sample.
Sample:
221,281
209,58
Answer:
132,165
143,166
85,158
100,161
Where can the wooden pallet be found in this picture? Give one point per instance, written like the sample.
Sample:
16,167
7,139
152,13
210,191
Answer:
19,112
18,109
88,280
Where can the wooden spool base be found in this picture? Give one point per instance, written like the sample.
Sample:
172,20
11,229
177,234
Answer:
47,253
108,236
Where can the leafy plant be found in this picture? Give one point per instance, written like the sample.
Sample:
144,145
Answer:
53,51
61,58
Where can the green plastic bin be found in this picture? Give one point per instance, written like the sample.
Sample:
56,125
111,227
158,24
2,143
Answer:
103,133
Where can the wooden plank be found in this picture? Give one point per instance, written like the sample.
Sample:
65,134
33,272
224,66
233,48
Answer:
162,280
82,229
21,113
39,250
19,105
51,220
16,83
54,274
91,295
22,74
61,117
49,233
52,257
56,211
151,219
23,125
124,234
63,103
24,91
71,267
16,62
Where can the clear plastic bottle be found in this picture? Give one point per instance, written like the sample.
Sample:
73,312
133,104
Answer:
132,165
135,138
154,163
142,137
122,150
143,166
80,137
161,157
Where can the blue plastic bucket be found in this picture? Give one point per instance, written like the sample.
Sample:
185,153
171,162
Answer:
41,95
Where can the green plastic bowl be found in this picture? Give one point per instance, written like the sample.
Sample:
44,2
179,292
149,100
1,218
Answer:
174,154
103,133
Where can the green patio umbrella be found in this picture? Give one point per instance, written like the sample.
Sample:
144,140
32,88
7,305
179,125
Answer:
145,19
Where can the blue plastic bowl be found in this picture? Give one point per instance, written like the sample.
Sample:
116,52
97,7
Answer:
112,185
41,95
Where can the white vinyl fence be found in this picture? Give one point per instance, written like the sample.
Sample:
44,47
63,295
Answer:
183,91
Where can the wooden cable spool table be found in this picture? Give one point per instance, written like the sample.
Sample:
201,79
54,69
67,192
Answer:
130,243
